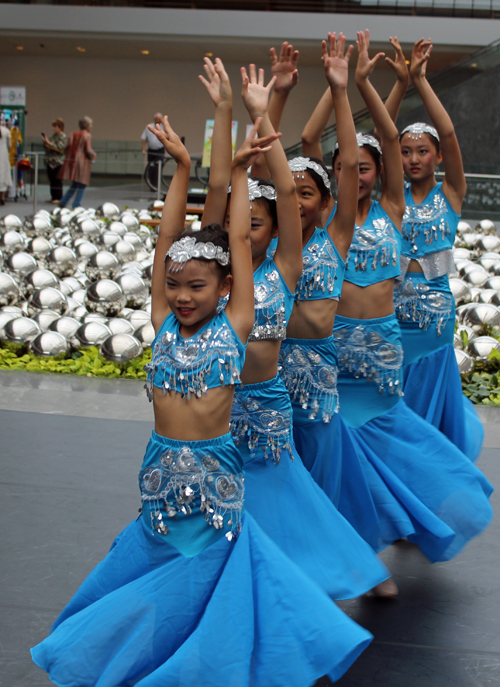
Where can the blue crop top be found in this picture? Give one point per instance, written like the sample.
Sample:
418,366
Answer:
375,249
430,226
212,357
323,272
273,303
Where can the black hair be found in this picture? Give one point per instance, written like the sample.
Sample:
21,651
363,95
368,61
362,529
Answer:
325,192
375,155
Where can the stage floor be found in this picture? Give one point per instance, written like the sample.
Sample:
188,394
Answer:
70,452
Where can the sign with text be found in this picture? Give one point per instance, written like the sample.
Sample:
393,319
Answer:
207,143
12,95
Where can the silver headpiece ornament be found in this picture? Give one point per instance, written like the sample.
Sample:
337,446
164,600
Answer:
416,130
365,140
302,164
187,248
259,191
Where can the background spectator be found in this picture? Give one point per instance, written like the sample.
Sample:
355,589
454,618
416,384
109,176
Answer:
54,158
78,163
5,177
152,148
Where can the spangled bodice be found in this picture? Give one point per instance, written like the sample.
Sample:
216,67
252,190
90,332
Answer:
375,249
273,303
213,357
323,271
430,226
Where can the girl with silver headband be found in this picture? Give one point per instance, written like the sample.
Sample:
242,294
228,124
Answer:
424,303
279,492
376,452
381,425
193,592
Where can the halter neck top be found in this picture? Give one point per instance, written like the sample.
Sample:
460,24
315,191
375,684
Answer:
429,226
375,249
273,303
323,271
212,357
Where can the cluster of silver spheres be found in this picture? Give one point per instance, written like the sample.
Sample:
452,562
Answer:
79,278
476,289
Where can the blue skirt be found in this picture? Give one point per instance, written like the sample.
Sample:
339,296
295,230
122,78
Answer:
431,380
395,475
150,616
287,503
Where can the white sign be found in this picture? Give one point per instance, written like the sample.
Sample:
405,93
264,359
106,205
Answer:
12,95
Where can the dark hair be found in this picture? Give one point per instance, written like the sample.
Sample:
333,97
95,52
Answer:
212,233
325,192
375,155
270,204
58,122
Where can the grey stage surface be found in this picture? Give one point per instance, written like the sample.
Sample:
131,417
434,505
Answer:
70,452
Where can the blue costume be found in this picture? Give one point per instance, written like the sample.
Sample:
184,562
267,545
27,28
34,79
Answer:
279,492
193,592
389,453
426,312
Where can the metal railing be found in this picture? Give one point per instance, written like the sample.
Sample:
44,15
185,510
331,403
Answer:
438,8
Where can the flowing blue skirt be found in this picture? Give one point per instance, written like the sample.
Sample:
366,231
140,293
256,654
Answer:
239,613
395,475
431,380
289,506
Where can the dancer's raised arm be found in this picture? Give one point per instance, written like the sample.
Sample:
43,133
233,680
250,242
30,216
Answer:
392,199
336,62
313,130
288,256
172,217
219,89
284,68
454,184
398,65
240,307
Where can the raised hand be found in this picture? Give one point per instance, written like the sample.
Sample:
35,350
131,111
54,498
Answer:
217,85
336,60
171,141
398,65
419,58
365,66
252,147
284,68
255,95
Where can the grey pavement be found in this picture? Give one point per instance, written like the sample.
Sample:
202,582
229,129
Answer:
71,448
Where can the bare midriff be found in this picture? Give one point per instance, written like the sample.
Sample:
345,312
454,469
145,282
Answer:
414,266
195,419
312,319
261,361
367,302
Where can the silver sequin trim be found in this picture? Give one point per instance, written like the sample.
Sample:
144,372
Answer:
373,246
269,301
433,265
319,272
365,353
310,380
428,220
185,477
415,301
262,428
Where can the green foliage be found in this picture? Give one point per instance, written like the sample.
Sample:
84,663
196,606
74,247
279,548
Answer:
88,362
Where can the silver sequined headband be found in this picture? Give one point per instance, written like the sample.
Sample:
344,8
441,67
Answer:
259,191
365,140
302,164
187,248
416,130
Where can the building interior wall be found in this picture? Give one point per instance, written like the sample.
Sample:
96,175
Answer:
122,95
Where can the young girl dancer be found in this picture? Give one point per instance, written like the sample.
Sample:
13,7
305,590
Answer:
423,300
279,493
396,452
193,592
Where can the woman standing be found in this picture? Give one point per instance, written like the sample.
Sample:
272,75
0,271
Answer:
77,165
5,176
54,158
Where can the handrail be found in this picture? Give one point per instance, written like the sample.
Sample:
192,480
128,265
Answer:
440,80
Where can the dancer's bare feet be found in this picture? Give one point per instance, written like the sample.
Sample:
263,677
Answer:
386,589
